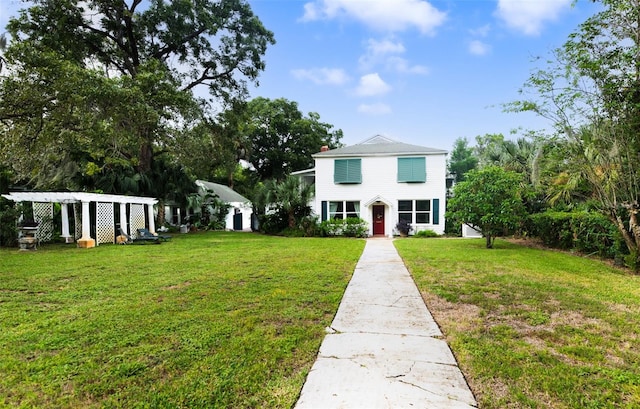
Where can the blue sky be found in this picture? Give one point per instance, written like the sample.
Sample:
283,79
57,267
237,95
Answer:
422,72
416,71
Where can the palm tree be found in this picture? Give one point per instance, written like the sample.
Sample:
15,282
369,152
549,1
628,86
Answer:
291,195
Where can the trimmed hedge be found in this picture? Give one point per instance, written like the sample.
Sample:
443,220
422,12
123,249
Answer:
586,232
350,227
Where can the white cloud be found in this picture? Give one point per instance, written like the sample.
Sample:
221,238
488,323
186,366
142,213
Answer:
372,84
374,109
530,16
378,51
385,52
322,76
400,64
384,47
477,47
481,31
385,15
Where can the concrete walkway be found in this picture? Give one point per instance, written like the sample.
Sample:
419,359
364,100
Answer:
384,350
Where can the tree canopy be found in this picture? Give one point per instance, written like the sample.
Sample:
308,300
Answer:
462,159
283,139
590,91
92,86
489,199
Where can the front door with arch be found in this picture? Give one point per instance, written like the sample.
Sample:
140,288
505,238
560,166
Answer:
378,220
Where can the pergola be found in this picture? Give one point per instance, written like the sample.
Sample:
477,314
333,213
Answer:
80,201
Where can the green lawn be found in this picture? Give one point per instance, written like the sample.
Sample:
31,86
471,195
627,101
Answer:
205,320
533,328
235,320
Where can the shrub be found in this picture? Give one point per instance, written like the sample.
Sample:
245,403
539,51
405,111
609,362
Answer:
350,227
273,223
403,227
426,233
586,232
355,227
309,226
8,219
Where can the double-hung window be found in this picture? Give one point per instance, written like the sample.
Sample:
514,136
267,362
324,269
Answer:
419,211
344,209
412,170
347,171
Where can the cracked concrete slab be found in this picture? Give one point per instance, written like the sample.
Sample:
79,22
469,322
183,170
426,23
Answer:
391,347
384,350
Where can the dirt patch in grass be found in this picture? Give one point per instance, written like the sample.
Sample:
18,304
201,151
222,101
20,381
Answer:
178,286
453,316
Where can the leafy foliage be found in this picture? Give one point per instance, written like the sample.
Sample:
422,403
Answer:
462,159
403,227
426,233
287,203
589,91
101,84
490,200
349,227
283,139
586,232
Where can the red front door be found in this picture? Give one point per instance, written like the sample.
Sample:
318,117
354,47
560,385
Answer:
378,220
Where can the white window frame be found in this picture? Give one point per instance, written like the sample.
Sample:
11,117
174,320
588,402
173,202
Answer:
334,206
413,213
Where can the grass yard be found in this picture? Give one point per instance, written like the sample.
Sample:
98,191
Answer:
533,328
205,320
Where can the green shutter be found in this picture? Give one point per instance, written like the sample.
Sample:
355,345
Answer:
355,171
347,171
340,171
436,211
325,212
412,170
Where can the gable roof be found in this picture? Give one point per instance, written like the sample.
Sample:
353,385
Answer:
225,193
379,145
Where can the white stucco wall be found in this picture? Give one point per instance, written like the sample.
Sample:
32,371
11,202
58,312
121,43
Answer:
245,209
379,180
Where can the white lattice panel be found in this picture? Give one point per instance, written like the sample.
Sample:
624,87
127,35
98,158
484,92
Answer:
77,215
136,218
43,214
105,228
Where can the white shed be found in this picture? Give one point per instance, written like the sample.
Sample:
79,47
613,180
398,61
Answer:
239,216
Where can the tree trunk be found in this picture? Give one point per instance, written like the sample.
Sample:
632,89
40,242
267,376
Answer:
630,237
145,157
489,241
292,219
230,180
635,238
161,213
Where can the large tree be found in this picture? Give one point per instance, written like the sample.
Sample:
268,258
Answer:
462,160
101,81
490,200
283,139
591,93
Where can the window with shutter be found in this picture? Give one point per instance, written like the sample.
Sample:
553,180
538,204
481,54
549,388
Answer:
412,170
347,171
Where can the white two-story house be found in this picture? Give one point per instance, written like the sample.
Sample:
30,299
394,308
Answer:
381,181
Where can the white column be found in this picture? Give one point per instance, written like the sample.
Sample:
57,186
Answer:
86,241
152,223
123,218
64,213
